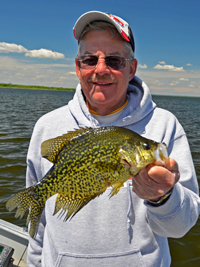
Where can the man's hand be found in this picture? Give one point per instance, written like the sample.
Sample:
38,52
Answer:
154,181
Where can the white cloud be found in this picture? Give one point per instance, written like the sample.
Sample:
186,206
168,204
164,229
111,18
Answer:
10,63
168,67
142,66
20,74
174,83
189,64
18,71
167,82
183,79
44,53
62,78
157,83
41,53
72,72
162,62
37,77
32,71
12,48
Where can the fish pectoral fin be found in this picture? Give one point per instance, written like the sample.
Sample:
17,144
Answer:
72,204
115,188
52,147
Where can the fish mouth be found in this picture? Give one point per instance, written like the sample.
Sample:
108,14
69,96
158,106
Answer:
161,154
126,163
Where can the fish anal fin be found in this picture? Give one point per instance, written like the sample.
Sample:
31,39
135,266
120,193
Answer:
115,188
72,204
61,201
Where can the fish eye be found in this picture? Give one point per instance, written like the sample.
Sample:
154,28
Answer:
146,146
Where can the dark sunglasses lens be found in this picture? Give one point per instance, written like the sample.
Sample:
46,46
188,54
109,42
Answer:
89,61
115,62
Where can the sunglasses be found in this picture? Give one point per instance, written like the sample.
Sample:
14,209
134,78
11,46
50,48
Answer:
89,62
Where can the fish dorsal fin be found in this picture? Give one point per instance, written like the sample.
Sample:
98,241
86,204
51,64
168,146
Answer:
52,147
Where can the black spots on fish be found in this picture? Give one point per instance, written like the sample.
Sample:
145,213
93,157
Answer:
46,188
86,162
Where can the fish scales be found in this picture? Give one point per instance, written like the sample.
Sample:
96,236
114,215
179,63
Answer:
82,162
86,162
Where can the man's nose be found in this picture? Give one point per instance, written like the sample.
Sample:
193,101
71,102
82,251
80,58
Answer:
101,66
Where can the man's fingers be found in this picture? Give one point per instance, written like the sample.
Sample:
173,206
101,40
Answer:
143,179
172,165
154,181
169,173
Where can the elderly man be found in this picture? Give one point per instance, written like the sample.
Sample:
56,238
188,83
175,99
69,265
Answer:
130,229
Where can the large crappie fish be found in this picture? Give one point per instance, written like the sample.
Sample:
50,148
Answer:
86,162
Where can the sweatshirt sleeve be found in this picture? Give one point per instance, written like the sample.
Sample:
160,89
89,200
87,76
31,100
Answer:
181,211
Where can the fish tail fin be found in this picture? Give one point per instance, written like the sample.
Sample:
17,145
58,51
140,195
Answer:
25,201
22,201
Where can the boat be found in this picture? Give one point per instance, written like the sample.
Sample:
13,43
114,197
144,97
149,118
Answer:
13,245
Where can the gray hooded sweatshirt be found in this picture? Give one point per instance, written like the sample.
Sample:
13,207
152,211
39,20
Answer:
124,230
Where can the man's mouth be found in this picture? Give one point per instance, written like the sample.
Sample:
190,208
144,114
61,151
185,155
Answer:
102,83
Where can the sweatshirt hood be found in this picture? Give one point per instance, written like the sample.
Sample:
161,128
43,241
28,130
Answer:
140,104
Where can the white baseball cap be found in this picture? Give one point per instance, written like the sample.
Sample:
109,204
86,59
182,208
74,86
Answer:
121,25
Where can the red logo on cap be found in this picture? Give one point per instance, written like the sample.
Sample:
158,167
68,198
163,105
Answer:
117,20
125,36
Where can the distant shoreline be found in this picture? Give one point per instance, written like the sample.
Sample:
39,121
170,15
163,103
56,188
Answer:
37,87
34,87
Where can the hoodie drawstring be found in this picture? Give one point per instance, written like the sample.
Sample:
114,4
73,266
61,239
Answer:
129,207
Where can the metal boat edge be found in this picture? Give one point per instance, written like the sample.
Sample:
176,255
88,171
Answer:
14,237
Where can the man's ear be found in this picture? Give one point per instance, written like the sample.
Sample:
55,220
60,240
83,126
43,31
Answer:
133,68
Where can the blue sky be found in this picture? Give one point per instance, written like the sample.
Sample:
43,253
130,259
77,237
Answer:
37,46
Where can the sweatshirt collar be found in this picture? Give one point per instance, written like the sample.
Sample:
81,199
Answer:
140,104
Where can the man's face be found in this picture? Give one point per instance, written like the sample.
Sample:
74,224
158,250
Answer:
105,89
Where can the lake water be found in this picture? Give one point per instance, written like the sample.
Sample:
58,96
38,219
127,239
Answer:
19,111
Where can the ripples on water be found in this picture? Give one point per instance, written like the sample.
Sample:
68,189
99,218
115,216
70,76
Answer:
186,251
19,111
